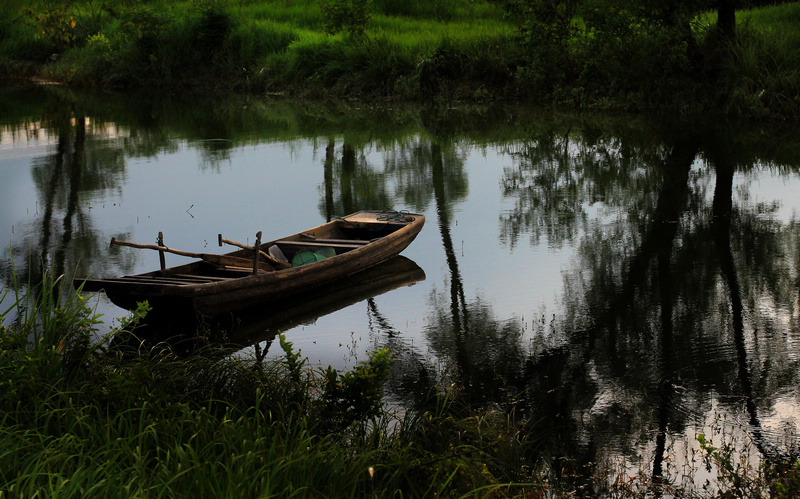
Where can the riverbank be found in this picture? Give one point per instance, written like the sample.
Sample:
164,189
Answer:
82,417
465,51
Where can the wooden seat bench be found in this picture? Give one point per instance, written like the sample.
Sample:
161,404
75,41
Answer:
324,243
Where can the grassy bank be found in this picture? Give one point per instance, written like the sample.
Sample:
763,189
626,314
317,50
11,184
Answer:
610,58
762,66
270,46
81,418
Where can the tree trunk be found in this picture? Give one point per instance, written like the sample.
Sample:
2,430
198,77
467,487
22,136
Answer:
726,18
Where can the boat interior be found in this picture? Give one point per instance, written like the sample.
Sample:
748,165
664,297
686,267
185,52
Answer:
305,247
325,241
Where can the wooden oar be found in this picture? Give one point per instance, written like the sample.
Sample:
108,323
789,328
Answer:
233,261
277,263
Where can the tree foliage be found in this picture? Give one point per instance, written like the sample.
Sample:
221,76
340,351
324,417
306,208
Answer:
349,16
578,49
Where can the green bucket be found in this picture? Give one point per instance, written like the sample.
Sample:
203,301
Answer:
304,257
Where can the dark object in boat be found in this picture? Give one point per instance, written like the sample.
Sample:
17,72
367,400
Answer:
222,283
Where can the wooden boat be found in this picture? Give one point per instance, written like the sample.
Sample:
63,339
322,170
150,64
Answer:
217,284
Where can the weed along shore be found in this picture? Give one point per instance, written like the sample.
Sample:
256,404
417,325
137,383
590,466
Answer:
91,417
600,54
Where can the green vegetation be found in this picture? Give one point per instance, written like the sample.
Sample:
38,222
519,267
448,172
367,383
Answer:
272,46
595,53
82,418
761,68
579,52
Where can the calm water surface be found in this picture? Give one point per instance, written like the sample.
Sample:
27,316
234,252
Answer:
626,282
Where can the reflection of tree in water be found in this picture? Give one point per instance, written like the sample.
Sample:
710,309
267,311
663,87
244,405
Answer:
61,236
763,317
679,294
214,153
558,175
657,306
425,172
412,373
351,183
481,353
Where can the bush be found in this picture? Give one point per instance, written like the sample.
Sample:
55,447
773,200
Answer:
637,62
56,26
349,16
759,74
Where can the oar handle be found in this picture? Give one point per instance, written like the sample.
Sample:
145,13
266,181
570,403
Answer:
223,260
115,242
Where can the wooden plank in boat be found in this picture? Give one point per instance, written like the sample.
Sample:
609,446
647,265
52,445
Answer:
317,244
238,270
157,280
98,284
376,218
309,238
207,278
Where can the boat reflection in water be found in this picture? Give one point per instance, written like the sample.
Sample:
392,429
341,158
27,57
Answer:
186,331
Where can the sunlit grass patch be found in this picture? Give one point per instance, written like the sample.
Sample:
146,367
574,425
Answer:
421,27
304,14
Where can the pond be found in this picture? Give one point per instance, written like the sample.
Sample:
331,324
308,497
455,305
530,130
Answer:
626,282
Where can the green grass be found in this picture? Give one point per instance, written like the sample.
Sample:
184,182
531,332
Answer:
79,418
302,14
245,44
